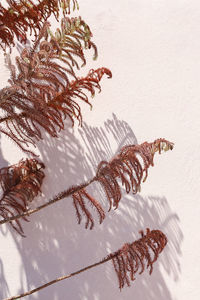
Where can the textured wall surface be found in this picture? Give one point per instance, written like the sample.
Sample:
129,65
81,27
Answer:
153,50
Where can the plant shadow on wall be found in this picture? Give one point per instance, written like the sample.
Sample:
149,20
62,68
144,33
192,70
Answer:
3,284
56,245
3,162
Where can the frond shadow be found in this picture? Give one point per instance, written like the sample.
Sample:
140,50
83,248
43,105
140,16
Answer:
56,245
4,290
3,284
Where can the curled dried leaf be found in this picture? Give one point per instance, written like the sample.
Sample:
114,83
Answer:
41,92
79,204
130,167
21,15
20,184
135,257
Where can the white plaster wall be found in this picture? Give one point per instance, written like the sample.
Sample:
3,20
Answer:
153,50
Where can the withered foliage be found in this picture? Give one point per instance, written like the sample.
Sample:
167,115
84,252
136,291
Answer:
129,169
23,15
134,258
80,206
127,261
20,184
44,89
66,102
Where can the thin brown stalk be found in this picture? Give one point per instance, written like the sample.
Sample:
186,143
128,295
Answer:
59,279
126,260
57,198
43,92
20,15
130,167
20,184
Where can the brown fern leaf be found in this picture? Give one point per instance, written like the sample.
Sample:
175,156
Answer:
66,5
26,112
79,204
133,258
126,261
130,166
136,158
74,36
20,184
23,118
66,102
41,94
22,15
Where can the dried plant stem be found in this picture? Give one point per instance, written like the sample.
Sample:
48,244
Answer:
127,261
124,166
22,115
20,184
60,196
61,278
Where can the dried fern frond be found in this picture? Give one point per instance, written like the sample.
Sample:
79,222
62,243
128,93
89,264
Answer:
127,261
20,184
79,204
133,258
74,36
66,5
22,15
66,102
25,114
41,92
130,167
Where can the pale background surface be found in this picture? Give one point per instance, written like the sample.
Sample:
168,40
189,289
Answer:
153,50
